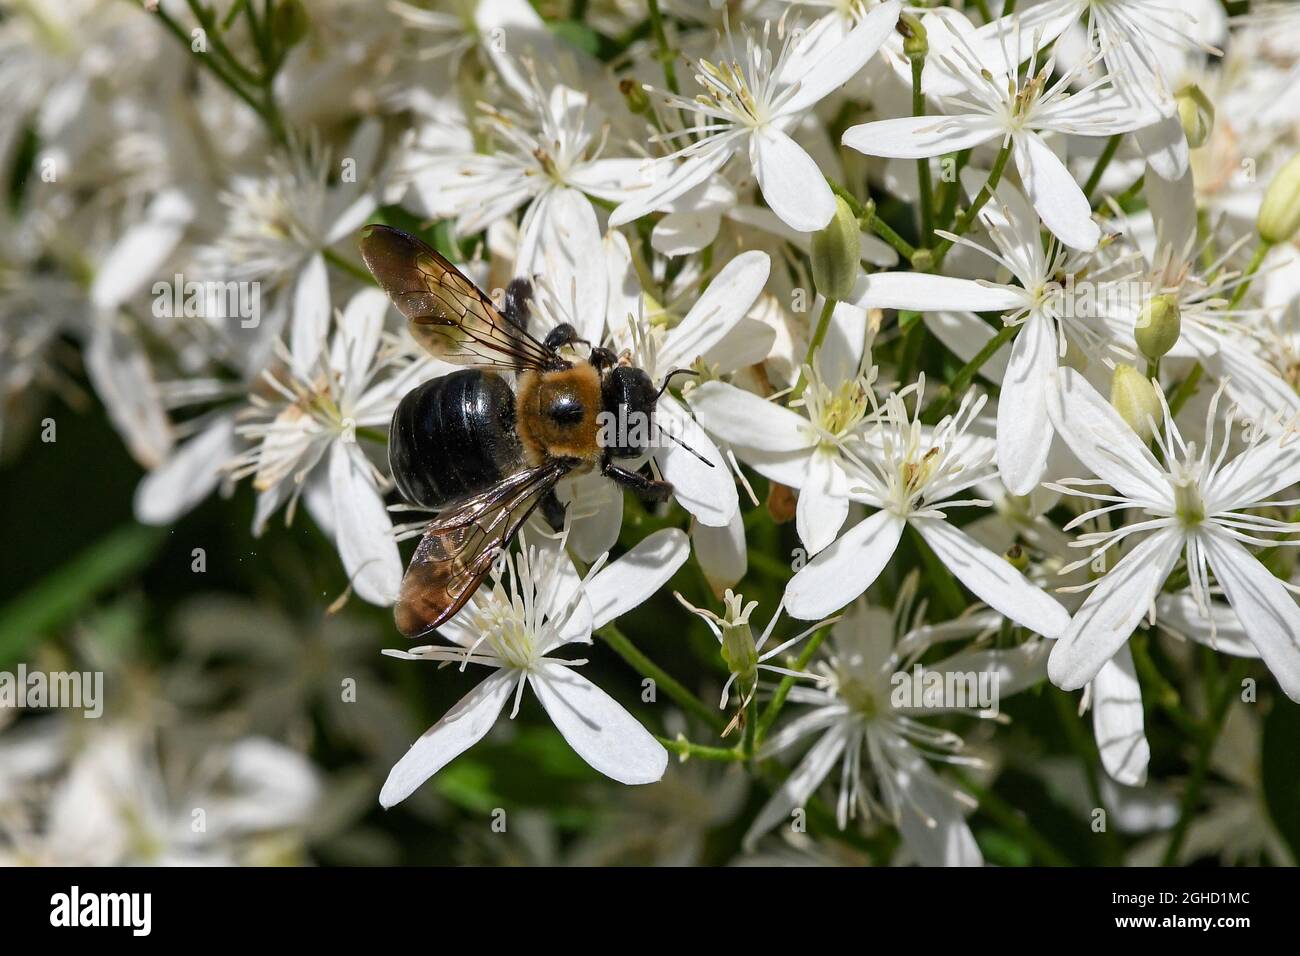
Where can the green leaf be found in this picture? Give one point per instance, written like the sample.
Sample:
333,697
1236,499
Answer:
1281,770
60,596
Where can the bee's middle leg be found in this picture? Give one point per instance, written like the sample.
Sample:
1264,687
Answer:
553,511
650,489
515,306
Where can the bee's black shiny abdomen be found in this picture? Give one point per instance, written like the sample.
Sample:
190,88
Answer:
452,437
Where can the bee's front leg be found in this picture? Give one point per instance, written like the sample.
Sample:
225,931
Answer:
650,489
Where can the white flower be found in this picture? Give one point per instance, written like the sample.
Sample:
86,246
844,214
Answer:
1040,304
748,103
802,445
709,493
546,160
1143,43
312,419
858,726
534,608
279,227
743,655
1195,502
1004,107
912,474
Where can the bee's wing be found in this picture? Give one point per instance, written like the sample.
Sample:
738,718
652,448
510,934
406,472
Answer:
445,311
459,546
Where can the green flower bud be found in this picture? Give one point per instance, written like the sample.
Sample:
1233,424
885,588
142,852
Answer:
915,43
289,22
1017,558
1134,397
1196,113
923,260
635,96
1279,213
837,254
1158,326
738,650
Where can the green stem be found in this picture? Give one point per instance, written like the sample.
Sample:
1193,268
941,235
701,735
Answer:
665,681
922,165
666,54
684,748
1201,762
1186,389
1248,276
939,404
1013,820
350,267
773,708
748,738
815,343
1099,168
867,219
966,218
376,435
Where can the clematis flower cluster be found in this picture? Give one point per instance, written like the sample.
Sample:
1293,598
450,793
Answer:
1039,430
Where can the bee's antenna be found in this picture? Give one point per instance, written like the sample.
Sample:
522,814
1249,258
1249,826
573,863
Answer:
687,447
669,377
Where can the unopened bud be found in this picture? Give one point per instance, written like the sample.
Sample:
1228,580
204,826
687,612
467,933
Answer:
635,96
837,253
1134,397
1279,213
738,650
781,503
289,22
1196,113
1017,558
915,43
1158,326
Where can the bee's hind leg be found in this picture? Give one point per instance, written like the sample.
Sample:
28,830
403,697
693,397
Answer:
650,489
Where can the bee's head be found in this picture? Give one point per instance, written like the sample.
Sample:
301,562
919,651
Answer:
629,399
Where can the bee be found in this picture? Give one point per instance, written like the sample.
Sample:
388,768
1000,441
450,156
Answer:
476,451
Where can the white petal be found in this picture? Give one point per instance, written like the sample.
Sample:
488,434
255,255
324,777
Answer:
930,818
1266,609
1024,426
1113,609
924,292
597,727
845,569
803,780
119,370
142,249
822,505
354,348
637,575
364,530
462,727
1105,443
721,552
841,63
682,177
681,233
569,247
1056,196
725,302
790,181
1221,629
708,492
993,579
188,476
743,419
1258,473
1117,720
1164,144
596,509
1014,668
920,137
311,316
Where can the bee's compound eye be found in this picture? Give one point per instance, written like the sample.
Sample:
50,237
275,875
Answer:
565,409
